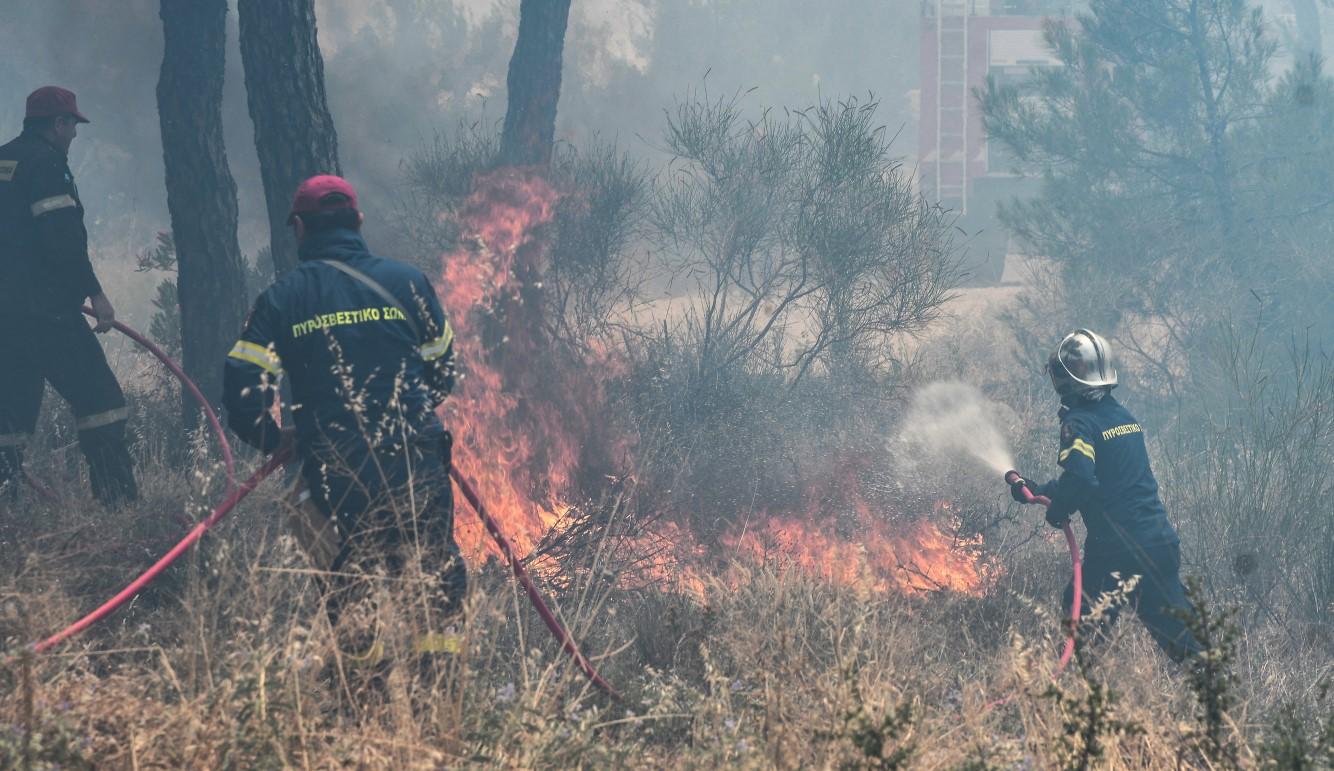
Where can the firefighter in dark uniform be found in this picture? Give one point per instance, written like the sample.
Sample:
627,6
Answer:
1106,478
369,356
45,276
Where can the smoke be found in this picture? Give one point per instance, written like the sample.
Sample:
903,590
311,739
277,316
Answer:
949,420
399,72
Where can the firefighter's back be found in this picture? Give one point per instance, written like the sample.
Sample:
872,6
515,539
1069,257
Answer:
22,283
1131,510
353,358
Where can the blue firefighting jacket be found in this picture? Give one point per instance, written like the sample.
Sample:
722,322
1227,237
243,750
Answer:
1107,479
44,266
361,379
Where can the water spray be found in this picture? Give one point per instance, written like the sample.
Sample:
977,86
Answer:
956,418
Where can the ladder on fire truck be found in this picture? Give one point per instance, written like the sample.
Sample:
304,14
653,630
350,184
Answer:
952,104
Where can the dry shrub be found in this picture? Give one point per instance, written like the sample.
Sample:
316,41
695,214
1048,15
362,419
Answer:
227,668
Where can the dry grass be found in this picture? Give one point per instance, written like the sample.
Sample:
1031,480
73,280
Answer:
227,661
223,664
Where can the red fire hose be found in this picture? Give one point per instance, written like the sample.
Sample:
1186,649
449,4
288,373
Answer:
189,385
557,630
1075,564
189,540
236,495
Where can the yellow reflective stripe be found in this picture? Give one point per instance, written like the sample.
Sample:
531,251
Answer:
439,346
258,355
1079,446
13,440
54,203
372,656
437,643
97,420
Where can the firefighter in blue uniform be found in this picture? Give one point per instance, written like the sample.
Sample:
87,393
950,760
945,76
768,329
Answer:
45,276
369,356
1106,478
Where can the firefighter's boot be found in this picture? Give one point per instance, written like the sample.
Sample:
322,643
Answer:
110,469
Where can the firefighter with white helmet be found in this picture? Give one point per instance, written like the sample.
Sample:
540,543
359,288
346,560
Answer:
1106,477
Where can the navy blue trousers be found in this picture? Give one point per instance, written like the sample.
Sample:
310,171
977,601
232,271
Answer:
63,351
1157,598
391,504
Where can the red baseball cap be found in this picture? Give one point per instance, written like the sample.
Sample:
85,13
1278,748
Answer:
323,193
52,102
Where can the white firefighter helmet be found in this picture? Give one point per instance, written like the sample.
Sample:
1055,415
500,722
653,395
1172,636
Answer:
1082,365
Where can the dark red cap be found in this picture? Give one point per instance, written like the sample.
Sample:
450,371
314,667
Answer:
323,193
52,102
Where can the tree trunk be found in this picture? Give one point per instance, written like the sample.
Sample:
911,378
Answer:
294,132
534,83
201,195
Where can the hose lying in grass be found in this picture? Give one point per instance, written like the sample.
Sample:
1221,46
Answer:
237,494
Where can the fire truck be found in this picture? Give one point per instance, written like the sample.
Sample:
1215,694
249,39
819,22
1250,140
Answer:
963,43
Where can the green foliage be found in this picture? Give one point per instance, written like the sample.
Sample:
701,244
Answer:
800,219
436,181
54,744
39,740
590,276
995,753
1178,178
1088,723
1258,463
801,256
1292,205
1211,676
165,326
1291,744
160,256
881,736
983,761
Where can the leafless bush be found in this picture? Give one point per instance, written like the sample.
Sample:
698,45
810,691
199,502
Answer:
595,275
436,179
1251,482
802,224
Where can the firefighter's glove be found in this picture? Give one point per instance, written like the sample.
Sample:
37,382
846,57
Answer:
103,312
1021,490
1056,519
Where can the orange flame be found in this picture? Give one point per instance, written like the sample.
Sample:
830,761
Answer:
910,558
522,447
498,221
